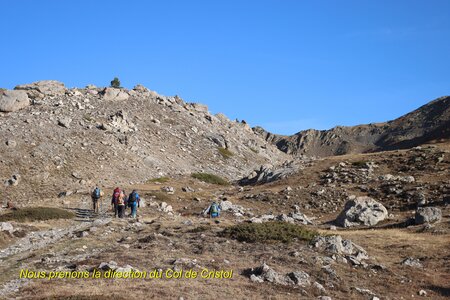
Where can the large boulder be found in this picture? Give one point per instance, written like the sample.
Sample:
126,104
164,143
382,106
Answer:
43,88
428,215
113,94
361,211
11,101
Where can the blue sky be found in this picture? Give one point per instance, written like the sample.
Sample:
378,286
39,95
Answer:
284,65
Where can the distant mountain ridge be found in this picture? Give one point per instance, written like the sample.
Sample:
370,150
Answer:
427,123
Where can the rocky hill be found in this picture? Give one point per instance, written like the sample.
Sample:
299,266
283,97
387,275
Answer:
427,123
55,139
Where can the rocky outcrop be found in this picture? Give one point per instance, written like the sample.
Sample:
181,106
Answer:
361,211
43,88
346,249
11,101
266,174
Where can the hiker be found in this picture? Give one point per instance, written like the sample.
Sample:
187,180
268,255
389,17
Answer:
96,195
115,198
133,203
125,198
121,205
214,210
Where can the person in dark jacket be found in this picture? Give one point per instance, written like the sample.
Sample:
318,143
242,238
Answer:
114,200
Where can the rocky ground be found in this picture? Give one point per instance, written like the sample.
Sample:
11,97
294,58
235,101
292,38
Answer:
388,247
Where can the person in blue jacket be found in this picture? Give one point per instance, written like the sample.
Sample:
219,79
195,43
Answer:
133,202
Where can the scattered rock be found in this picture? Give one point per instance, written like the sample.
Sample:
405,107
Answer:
412,262
428,215
187,189
255,278
11,143
364,291
13,181
422,293
65,122
168,189
334,244
266,273
237,210
112,265
299,278
320,288
164,207
6,226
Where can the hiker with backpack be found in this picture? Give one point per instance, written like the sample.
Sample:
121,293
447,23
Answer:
121,205
115,199
133,203
214,210
96,195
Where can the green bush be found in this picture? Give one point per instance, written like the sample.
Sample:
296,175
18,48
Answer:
226,153
210,178
115,83
269,231
159,180
36,214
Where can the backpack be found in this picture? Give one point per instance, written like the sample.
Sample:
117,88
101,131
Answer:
120,200
214,209
133,197
96,193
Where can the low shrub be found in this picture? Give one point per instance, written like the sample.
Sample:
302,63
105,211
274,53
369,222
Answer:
36,214
226,153
269,231
200,228
159,180
210,178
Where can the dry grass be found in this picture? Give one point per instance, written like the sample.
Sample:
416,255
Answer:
269,231
159,180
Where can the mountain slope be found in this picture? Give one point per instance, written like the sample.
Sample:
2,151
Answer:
427,123
70,139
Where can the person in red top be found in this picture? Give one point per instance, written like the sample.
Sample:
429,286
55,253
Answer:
114,200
